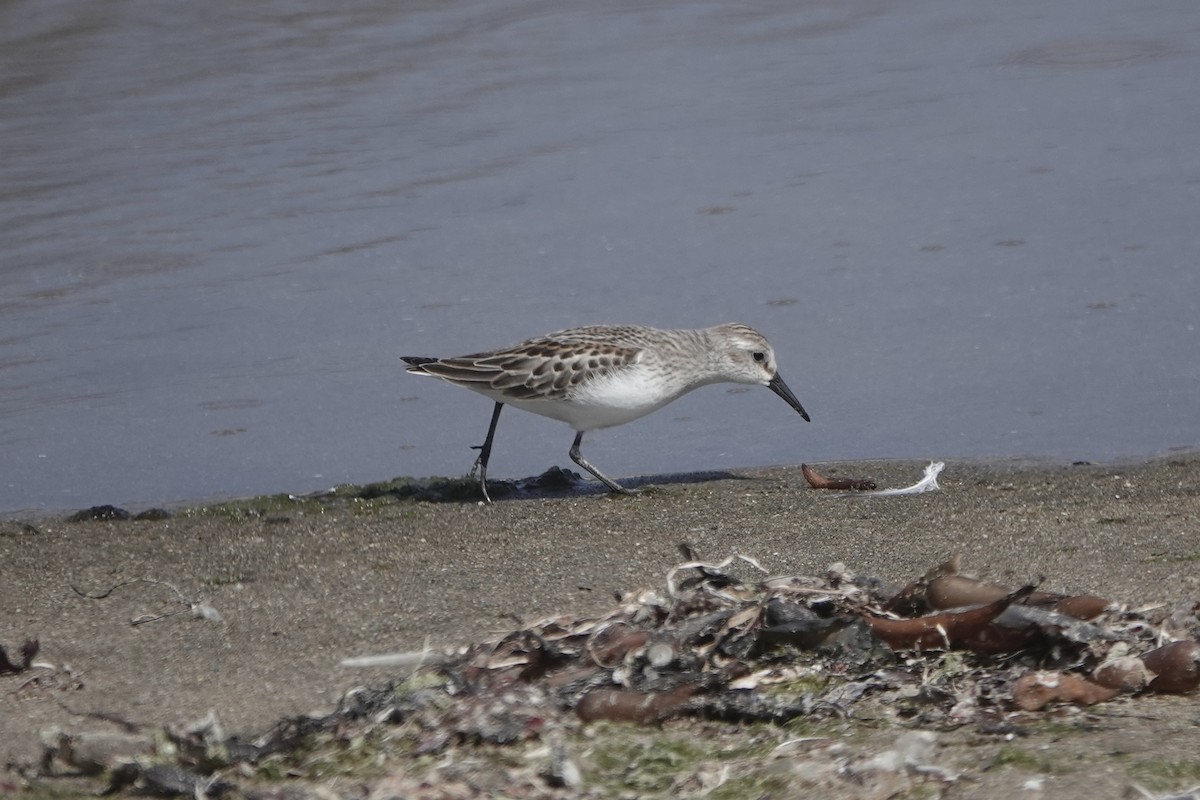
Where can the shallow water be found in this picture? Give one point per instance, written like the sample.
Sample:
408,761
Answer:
968,231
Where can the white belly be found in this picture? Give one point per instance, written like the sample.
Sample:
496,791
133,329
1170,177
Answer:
604,402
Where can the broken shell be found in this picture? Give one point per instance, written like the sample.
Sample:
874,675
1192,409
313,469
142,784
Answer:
660,654
608,646
1176,667
818,481
622,705
998,637
29,651
1124,673
1082,606
956,591
1034,691
944,629
909,601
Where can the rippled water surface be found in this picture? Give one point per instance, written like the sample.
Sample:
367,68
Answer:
969,231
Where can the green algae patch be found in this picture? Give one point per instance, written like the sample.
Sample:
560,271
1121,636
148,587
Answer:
622,759
1024,759
268,507
359,757
1166,775
625,759
812,684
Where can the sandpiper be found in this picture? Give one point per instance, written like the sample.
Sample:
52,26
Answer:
603,375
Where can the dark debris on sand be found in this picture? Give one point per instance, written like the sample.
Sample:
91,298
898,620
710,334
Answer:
720,644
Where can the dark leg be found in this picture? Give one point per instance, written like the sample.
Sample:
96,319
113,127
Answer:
578,458
485,452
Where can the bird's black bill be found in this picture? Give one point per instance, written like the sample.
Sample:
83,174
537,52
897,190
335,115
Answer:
780,388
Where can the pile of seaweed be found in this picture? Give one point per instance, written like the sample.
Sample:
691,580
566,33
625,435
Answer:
720,642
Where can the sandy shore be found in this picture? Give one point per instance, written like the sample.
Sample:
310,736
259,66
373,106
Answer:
300,588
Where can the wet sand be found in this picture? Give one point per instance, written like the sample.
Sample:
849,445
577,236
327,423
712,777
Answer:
298,589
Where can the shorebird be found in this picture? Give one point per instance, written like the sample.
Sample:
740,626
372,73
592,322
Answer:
599,376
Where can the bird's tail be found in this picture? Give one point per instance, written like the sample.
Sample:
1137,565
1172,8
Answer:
416,362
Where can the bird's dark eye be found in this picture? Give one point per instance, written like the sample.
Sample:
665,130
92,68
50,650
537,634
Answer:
760,357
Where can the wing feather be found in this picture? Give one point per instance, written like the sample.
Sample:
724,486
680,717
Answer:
546,368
